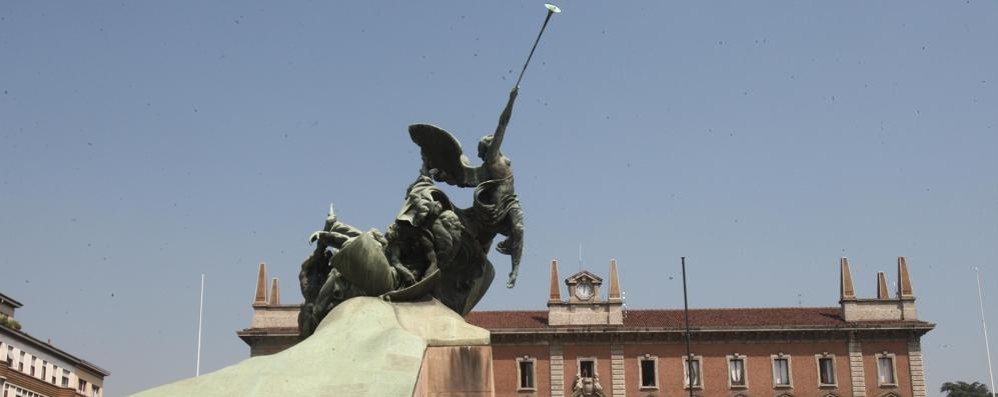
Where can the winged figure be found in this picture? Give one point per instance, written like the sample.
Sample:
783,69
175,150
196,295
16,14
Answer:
432,248
495,209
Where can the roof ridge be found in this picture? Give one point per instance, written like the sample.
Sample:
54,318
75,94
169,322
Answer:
746,308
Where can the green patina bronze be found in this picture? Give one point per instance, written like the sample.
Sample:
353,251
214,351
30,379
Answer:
433,248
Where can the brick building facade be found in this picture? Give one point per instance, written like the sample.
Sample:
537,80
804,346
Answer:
585,343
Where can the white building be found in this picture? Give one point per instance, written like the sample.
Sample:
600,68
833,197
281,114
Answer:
31,368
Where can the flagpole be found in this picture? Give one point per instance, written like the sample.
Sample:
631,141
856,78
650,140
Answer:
197,366
984,324
686,312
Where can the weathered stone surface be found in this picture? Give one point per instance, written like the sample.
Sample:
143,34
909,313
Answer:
364,347
452,371
439,326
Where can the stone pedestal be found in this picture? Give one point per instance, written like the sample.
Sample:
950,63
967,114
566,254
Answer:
364,347
471,364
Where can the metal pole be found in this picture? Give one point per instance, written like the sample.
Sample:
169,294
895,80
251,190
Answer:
686,312
984,324
197,367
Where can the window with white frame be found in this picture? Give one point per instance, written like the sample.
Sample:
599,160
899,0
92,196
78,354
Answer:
525,371
647,372
782,372
826,369
736,371
886,375
692,372
587,367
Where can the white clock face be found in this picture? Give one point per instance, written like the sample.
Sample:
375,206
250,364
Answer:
584,291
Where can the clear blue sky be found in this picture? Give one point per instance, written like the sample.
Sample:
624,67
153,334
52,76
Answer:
145,143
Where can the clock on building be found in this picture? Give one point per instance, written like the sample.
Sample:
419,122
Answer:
584,290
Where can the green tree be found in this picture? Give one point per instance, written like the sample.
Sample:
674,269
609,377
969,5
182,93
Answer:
964,389
10,323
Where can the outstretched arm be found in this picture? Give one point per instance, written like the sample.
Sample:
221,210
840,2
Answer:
493,153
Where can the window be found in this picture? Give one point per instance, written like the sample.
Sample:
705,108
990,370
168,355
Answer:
781,370
82,388
692,372
647,372
65,378
32,372
525,372
10,356
45,365
826,369
736,371
587,367
20,363
96,391
885,369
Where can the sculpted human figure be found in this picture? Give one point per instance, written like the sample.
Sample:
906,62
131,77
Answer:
495,209
432,248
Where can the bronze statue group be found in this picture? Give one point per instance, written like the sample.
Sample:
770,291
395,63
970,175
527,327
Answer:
433,248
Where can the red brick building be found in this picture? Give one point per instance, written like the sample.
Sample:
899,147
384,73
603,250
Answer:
587,344
862,348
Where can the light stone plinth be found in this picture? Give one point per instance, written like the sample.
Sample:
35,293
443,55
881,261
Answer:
879,309
364,347
275,316
456,371
610,313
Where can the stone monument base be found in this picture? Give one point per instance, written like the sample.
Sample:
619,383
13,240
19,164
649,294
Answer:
364,347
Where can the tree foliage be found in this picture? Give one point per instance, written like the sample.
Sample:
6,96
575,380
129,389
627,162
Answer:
10,323
964,389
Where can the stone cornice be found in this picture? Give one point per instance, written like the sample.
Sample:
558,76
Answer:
605,334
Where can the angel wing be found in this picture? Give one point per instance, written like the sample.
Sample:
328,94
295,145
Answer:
443,158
